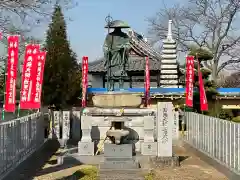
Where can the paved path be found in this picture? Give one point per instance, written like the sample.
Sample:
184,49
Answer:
192,168
43,167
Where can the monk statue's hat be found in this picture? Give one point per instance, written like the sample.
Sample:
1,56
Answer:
117,24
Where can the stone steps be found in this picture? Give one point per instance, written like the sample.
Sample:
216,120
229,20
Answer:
130,174
115,164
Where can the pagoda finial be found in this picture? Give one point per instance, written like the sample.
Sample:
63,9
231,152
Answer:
169,35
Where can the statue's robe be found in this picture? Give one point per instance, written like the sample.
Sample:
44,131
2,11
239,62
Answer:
116,52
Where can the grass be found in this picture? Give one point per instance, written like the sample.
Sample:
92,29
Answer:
84,173
149,176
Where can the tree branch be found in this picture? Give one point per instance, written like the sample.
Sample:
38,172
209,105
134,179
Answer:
223,65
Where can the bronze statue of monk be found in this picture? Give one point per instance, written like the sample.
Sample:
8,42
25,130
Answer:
116,51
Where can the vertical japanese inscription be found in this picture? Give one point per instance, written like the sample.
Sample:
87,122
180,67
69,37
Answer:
164,125
29,65
189,80
11,73
66,124
39,76
164,128
56,115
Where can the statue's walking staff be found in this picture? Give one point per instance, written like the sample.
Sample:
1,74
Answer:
108,20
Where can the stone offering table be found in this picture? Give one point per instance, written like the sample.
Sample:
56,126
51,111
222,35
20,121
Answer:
140,122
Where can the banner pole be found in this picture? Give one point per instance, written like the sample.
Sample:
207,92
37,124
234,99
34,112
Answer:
4,87
184,105
18,110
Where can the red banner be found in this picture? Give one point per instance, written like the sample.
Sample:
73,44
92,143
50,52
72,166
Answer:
203,99
84,80
189,80
147,83
11,71
28,75
37,82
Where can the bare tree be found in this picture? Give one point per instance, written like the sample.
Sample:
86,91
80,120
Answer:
22,16
211,24
231,81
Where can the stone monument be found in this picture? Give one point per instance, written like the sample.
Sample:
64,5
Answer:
116,133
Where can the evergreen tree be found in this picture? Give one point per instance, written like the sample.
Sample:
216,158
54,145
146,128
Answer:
62,72
203,55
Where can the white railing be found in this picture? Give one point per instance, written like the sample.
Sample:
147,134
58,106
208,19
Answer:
19,138
217,138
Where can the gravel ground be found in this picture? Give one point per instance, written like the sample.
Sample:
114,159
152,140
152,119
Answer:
42,166
192,168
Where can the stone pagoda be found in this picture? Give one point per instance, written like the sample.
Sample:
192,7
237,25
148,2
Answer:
169,67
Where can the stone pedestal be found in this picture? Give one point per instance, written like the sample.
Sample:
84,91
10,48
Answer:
86,127
86,148
118,157
113,99
149,147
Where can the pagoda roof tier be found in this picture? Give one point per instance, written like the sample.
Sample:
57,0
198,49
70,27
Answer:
137,60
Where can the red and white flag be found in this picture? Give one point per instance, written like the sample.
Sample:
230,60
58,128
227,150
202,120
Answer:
189,80
28,75
147,83
11,71
203,99
84,80
38,81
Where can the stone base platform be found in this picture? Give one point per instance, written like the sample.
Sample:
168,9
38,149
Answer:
165,162
135,161
119,163
121,175
119,157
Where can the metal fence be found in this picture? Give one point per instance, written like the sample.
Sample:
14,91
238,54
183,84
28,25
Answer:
19,138
217,138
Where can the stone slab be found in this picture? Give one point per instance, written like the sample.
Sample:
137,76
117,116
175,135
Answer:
165,162
56,123
86,148
66,125
118,151
117,100
176,126
76,125
119,163
149,149
121,174
164,128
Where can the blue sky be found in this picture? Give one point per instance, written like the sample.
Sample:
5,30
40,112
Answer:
86,29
